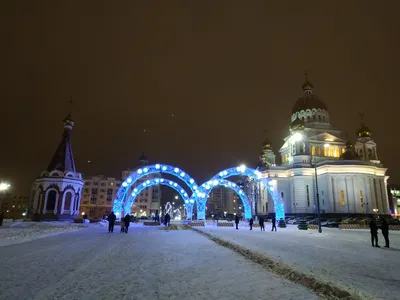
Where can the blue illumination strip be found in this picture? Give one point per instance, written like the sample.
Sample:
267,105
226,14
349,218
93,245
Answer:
206,188
156,181
256,175
152,169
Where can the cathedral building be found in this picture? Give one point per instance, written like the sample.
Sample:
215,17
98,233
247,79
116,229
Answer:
318,162
56,193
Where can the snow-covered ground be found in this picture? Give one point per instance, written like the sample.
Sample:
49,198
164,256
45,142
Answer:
344,257
146,263
20,231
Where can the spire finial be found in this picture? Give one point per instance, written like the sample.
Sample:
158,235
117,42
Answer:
306,75
68,122
307,86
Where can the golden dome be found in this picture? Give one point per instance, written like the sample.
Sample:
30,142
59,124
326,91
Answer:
364,131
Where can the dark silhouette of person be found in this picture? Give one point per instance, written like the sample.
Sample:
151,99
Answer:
111,221
251,223
167,219
273,223
237,221
127,220
261,223
385,231
374,233
1,219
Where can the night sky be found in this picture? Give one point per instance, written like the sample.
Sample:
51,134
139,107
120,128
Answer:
194,84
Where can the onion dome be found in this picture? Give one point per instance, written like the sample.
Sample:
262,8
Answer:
297,124
349,153
309,100
364,131
266,145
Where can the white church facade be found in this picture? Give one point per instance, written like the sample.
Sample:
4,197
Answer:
350,179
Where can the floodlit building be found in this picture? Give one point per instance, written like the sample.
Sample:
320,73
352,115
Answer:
350,178
98,196
14,206
394,199
56,193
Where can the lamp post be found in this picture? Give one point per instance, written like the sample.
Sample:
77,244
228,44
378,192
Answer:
316,188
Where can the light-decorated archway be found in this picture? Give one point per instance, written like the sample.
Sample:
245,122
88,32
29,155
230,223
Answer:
189,203
209,185
271,186
148,170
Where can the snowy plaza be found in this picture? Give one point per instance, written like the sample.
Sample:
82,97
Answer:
90,263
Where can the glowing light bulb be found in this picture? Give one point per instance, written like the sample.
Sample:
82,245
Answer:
129,180
164,168
145,170
183,174
140,171
191,180
176,170
157,166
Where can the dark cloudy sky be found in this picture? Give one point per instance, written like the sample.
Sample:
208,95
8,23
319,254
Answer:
226,70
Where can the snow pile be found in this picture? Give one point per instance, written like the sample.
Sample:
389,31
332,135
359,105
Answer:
20,231
342,258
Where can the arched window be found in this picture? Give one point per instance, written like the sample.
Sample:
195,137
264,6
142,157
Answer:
361,153
319,118
319,151
314,118
67,200
51,200
323,118
370,154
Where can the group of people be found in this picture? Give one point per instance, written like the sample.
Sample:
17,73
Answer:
374,232
260,222
125,221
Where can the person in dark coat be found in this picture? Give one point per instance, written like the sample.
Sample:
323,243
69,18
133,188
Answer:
111,221
1,219
251,223
261,223
127,220
374,233
273,223
237,221
385,231
167,219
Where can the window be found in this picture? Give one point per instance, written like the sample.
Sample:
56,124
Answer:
91,212
319,118
87,191
314,118
102,190
370,154
95,183
302,146
102,184
293,149
87,183
319,151
67,201
101,196
94,196
51,200
342,197
343,150
308,196
313,150
326,151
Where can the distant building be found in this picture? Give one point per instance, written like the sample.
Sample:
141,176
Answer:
148,202
394,199
222,200
14,206
98,196
56,193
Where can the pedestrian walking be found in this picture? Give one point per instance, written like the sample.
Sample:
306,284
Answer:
167,219
251,223
273,223
1,218
127,220
374,233
261,223
385,231
237,222
111,221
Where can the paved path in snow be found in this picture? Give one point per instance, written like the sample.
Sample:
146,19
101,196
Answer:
345,257
146,263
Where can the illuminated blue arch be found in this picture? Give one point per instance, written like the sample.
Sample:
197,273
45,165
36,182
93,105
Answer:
189,203
208,186
147,170
271,185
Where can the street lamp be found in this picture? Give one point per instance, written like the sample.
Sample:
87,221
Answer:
4,186
176,197
316,187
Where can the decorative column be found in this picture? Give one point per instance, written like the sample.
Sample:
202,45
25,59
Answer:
356,200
